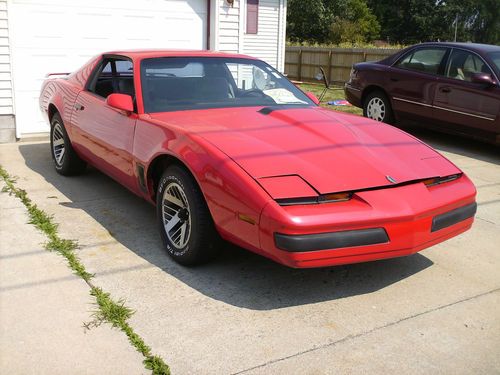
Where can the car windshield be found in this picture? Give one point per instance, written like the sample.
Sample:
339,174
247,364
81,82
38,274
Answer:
180,83
495,57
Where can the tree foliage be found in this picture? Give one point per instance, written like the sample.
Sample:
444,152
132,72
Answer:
353,22
334,21
395,21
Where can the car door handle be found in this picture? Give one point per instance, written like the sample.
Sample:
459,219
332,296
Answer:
394,79
445,89
79,107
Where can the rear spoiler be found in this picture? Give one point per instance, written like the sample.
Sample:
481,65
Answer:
56,74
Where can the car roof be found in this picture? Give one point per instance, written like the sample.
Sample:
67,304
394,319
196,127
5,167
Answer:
476,47
149,53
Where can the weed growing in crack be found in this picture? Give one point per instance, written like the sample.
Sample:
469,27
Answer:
108,311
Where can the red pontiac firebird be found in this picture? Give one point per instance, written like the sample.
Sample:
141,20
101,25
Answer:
226,147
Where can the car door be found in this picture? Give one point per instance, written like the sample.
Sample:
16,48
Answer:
103,134
463,105
412,79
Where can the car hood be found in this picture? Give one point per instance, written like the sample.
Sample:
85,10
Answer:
331,151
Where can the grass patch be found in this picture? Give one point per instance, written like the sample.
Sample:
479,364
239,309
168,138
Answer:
108,310
334,93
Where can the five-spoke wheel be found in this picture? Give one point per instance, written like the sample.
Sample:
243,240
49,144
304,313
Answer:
185,223
176,215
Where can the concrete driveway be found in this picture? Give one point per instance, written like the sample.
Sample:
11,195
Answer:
437,311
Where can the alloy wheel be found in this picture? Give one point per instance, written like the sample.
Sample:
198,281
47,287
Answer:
58,145
176,215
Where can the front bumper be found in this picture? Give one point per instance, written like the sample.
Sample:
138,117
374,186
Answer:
375,224
330,240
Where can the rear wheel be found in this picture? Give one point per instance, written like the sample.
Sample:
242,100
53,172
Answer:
377,107
185,223
66,161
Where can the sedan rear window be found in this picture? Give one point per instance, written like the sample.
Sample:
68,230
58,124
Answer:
181,83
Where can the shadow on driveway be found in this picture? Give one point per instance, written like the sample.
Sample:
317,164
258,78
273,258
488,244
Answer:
455,144
238,277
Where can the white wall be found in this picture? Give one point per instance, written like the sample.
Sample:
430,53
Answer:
230,35
6,105
229,26
267,43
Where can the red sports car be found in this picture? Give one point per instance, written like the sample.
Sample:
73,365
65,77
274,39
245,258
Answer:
225,146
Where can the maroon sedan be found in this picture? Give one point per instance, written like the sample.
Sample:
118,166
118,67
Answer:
453,87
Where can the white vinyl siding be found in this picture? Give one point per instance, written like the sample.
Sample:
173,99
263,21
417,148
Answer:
229,27
269,40
6,102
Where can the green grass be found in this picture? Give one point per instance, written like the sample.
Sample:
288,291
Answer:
334,93
108,310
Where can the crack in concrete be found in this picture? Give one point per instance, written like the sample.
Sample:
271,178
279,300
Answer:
361,334
488,221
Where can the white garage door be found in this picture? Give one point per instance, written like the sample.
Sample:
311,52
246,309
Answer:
49,36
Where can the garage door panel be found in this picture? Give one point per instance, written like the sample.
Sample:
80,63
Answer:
60,36
155,5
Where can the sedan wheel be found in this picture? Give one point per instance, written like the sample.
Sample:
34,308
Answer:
377,107
185,223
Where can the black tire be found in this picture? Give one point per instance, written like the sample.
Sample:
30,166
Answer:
198,242
378,107
68,163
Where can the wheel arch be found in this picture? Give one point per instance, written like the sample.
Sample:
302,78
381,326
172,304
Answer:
51,111
156,168
372,88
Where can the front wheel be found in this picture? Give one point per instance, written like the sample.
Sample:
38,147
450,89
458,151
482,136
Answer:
185,223
377,107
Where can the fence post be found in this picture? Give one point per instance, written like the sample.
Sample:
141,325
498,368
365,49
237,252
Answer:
329,72
299,69
364,56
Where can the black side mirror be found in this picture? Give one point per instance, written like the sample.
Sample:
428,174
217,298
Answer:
483,78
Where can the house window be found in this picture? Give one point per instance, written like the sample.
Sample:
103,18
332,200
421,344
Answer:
252,16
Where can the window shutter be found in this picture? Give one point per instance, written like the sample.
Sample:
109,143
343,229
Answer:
252,16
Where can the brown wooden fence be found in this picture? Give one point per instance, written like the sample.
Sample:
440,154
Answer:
302,63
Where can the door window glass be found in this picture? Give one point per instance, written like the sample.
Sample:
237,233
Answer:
495,57
426,60
463,64
115,76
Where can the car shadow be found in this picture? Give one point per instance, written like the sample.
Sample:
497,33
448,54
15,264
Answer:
237,277
455,144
